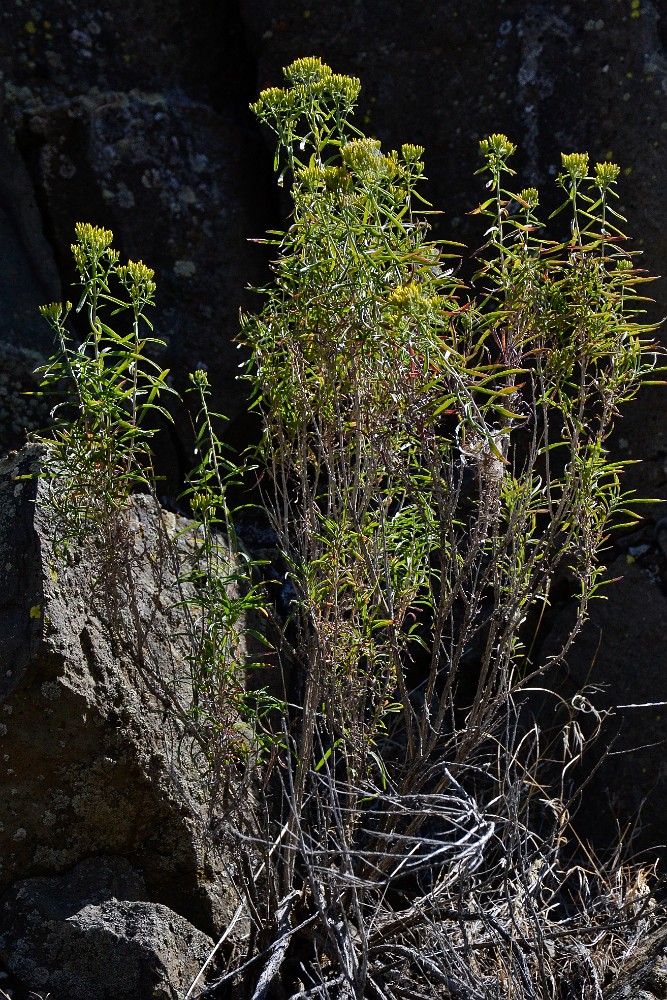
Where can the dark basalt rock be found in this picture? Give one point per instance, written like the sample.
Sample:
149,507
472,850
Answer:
91,935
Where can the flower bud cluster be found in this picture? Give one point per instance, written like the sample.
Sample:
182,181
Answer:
606,174
92,244
138,280
497,149
530,197
575,165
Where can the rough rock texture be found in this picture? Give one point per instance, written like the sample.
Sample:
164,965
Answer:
644,977
93,680
90,935
167,174
135,117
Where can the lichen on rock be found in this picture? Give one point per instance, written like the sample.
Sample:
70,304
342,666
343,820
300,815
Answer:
94,696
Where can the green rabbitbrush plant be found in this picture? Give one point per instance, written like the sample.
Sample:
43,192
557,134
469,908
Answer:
437,453
108,393
434,457
98,450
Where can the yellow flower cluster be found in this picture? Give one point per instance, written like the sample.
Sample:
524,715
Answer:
530,196
497,148
575,164
52,311
138,279
606,174
364,158
94,237
410,298
308,70
315,178
308,78
92,244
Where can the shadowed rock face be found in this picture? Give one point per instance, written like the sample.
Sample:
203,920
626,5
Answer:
618,660
91,935
94,688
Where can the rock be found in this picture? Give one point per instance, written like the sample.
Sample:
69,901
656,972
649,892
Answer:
94,692
90,935
21,410
135,118
643,974
28,278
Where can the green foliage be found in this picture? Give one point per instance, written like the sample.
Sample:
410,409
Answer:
437,452
223,600
99,450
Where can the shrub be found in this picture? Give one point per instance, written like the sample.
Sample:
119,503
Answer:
108,391
436,458
99,448
225,601
437,453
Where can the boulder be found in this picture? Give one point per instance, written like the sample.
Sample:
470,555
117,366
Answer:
91,935
28,272
28,278
95,753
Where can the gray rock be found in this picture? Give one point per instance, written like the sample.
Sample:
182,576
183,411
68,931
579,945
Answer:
28,278
90,935
168,175
94,692
20,409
